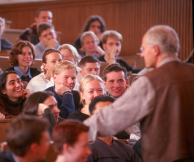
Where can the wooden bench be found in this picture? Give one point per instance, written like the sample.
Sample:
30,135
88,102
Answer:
4,123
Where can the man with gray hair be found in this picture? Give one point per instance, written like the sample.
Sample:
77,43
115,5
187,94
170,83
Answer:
162,100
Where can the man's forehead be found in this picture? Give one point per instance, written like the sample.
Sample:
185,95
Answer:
92,65
44,13
102,104
112,38
115,75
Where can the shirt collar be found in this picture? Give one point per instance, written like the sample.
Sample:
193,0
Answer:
168,59
14,157
20,73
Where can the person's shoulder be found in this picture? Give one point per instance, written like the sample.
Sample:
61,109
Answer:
34,71
75,93
50,89
5,156
123,145
78,115
101,58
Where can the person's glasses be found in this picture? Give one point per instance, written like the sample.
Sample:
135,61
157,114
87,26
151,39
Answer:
141,49
68,55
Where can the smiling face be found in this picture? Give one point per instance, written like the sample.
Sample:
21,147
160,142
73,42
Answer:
25,59
91,89
67,55
14,87
116,83
80,150
66,77
52,104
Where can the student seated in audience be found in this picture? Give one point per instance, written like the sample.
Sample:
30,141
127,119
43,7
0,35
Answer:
106,149
90,87
4,43
30,34
90,43
88,65
12,94
43,104
40,82
94,23
112,41
71,141
116,83
28,140
21,58
115,80
69,52
64,75
47,37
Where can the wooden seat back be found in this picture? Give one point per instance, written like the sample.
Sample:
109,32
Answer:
4,123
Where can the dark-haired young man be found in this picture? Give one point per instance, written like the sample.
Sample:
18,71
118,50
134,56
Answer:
30,34
88,65
28,140
106,149
115,79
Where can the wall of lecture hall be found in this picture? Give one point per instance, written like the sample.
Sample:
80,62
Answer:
129,17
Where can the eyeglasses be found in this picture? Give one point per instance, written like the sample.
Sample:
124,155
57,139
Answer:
141,49
68,55
88,42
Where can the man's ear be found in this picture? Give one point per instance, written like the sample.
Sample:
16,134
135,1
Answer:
54,77
104,83
40,39
36,20
67,148
33,148
80,71
156,50
104,46
127,81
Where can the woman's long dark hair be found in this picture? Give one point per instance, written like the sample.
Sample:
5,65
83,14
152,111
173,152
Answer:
30,106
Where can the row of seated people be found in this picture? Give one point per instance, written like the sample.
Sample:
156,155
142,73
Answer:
15,99
28,139
63,75
94,41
